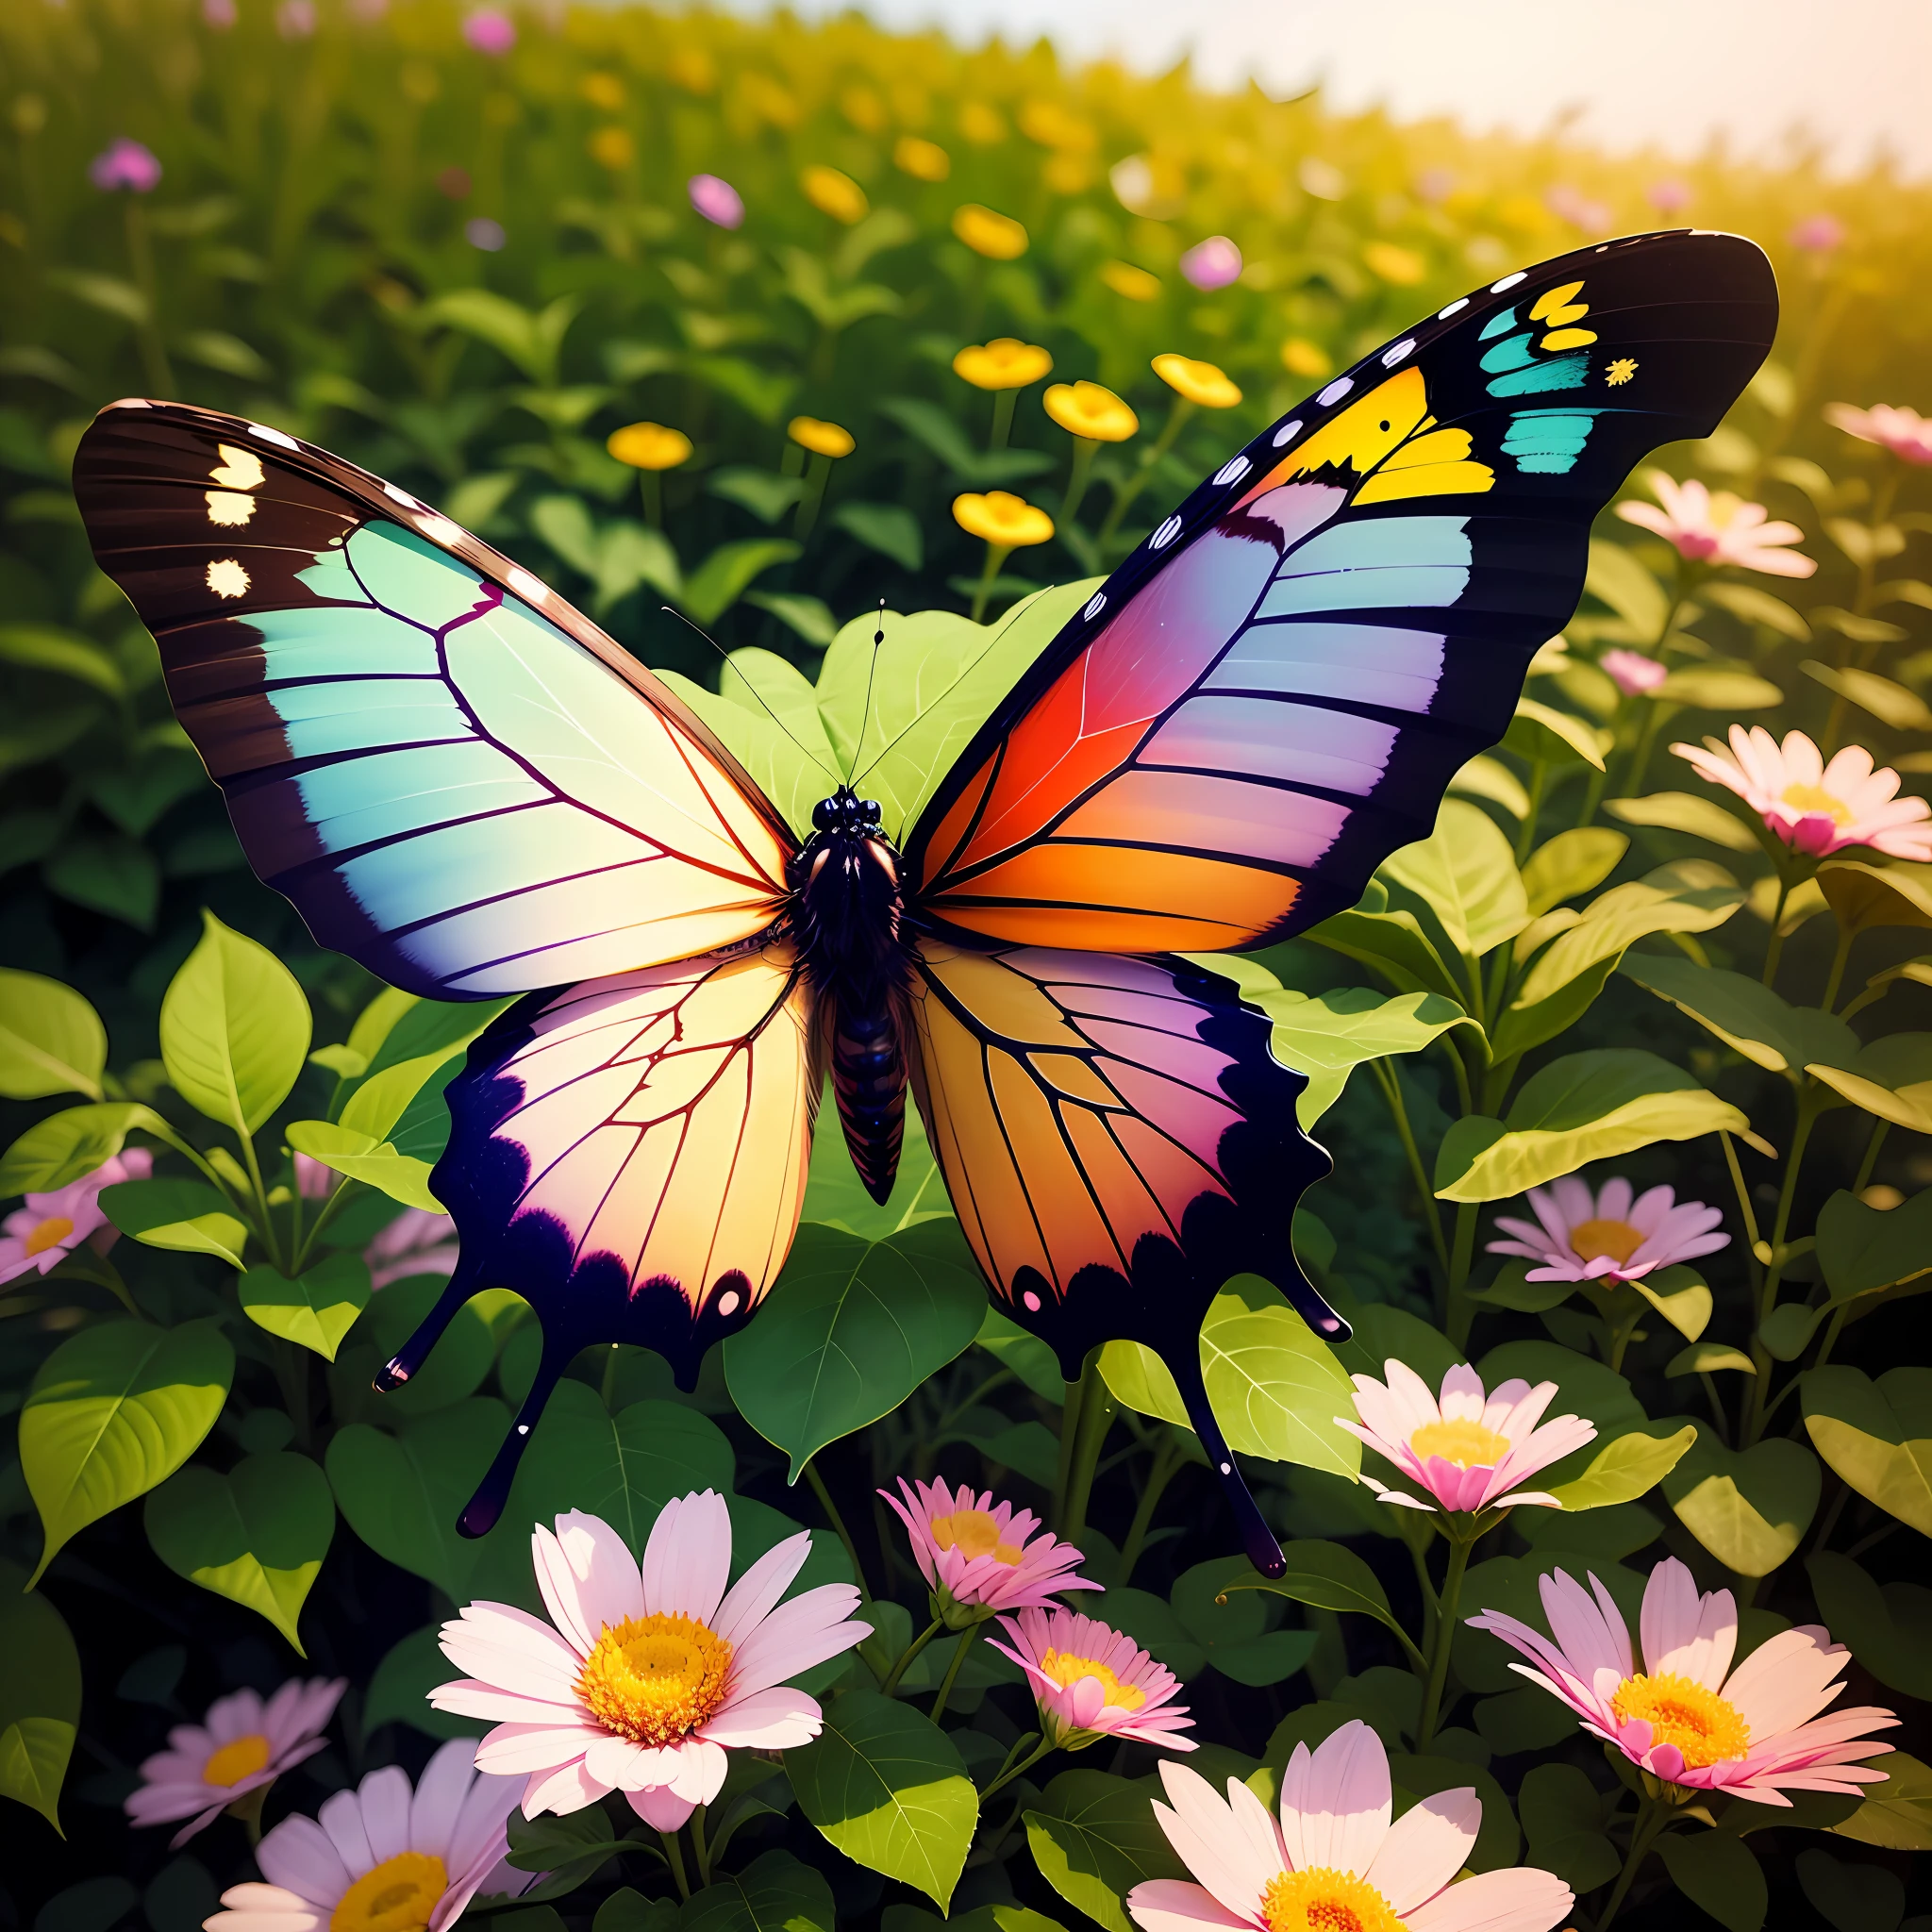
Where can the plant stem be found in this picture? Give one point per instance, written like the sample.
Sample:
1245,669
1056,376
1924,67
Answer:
996,554
1462,1309
1526,836
1169,1459
838,1522
968,1637
1084,450
1870,1159
1150,458
1809,1111
675,1853
1003,403
1774,951
907,1656
1840,958
1392,1091
1644,1831
141,260
700,1850
815,479
651,488
1445,1633
1008,1771
1096,1417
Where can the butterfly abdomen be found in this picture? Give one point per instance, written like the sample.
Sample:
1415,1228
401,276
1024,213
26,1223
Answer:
869,1085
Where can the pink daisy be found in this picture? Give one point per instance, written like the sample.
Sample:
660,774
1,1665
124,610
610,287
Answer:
1090,1682
1719,529
980,1556
1616,1235
43,1233
384,1855
1816,808
650,1673
716,199
124,163
1632,673
1687,1718
1334,1859
1466,1450
1906,433
241,1744
415,1242
491,31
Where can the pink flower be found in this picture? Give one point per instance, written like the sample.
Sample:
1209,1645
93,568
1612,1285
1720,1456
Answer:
296,19
1579,209
1615,1236
491,31
1689,1718
1213,263
1816,808
1718,529
1632,673
1906,433
1466,1450
125,163
219,14
42,1234
649,1675
1090,1682
481,232
385,1854
980,1556
1435,185
313,1181
415,1242
1818,234
1669,197
1334,1859
719,201
241,1744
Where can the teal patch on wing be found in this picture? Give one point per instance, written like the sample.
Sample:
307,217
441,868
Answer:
1504,319
1548,442
1389,563
1560,372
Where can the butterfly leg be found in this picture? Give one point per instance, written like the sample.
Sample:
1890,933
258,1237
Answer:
1264,1552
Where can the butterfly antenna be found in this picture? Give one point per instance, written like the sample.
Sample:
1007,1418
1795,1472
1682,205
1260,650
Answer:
878,638
756,692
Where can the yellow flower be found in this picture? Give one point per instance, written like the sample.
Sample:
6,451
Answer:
863,108
613,148
1199,382
986,233
822,438
1300,356
1003,519
693,70
1401,267
1052,125
1006,363
835,195
649,446
924,161
1067,174
603,90
1092,410
1136,284
982,125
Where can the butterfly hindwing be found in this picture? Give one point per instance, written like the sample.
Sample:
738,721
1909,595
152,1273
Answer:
456,778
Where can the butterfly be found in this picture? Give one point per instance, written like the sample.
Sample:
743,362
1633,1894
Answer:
465,785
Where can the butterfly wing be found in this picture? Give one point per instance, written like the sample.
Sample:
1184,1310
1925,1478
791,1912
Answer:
1273,691
457,779
1118,1140
630,1155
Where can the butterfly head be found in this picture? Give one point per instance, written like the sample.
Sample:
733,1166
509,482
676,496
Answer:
845,811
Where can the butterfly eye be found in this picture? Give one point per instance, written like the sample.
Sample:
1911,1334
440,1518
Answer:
825,814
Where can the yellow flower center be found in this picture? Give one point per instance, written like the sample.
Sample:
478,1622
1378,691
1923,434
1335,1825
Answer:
1814,801
655,1679
1467,1445
1324,1900
1699,1723
1616,1238
400,1895
1066,1669
973,1533
50,1234
238,1759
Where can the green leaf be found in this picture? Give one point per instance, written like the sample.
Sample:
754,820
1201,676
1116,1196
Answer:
1711,687
1617,578
570,1849
1498,1840
1897,1813
776,1892
457,1364
1863,1250
1585,1107
363,1157
1876,1435
1585,1386
531,340
811,617
1748,1507
316,1309
1546,736
113,1411
1525,1719
1747,602
234,1029
109,873
1623,1470
1851,1898
1572,862
188,1216
890,528
1891,704
850,1329
1330,1577
728,572
66,652
1095,1838
1465,873
1708,1359
1488,777
765,493
1890,1077
1746,1015
1720,1873
1395,945
1025,1355
255,1535
1685,811
40,1696
1889,1626
51,1040
1231,1627
66,1145
399,1690
889,1789
1151,1621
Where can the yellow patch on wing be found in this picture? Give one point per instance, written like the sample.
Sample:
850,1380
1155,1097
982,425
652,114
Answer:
1365,432
231,509
227,578
1435,464
1558,306
239,469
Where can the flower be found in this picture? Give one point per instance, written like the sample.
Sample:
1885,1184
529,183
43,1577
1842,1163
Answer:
612,148
982,125
49,1228
1668,196
649,1674
1687,1718
977,1555
241,1744
296,19
219,14
313,1181
1334,1859
1722,529
1134,284
1092,410
1816,808
384,1857
1611,1237
1002,518
1402,268
924,161
1906,433
1006,363
1817,234
822,438
417,1241
1199,382
1090,1682
835,195
124,163
1213,263
1632,673
1466,1450
491,31
996,235
1300,356
649,446
479,231
716,199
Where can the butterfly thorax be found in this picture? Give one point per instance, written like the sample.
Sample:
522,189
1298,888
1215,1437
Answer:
848,916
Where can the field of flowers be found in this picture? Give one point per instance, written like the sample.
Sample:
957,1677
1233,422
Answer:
1605,1593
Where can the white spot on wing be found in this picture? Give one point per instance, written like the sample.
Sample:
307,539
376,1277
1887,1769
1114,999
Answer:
239,469
1165,535
273,435
1390,356
1507,281
229,507
1336,391
533,590
227,578
1288,432
1232,471
1456,308
1095,604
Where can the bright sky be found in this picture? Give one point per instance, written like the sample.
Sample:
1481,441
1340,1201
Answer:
1669,72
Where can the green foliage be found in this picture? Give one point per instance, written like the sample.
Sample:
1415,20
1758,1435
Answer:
40,1696
1095,1838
